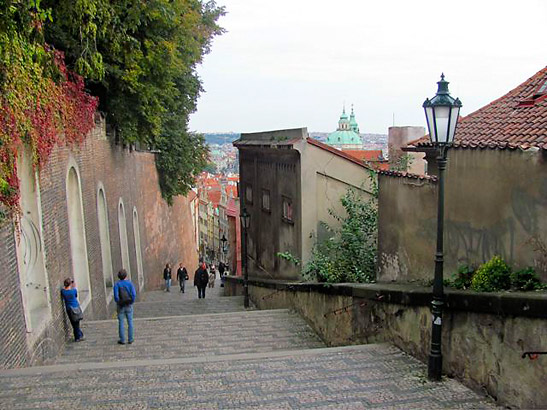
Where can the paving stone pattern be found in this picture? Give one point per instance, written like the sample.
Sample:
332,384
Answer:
191,336
174,303
369,376
220,360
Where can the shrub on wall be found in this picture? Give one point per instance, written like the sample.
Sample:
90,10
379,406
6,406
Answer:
349,255
492,276
463,277
525,279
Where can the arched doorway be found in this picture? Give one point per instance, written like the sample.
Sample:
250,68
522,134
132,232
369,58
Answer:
78,247
124,248
138,251
104,235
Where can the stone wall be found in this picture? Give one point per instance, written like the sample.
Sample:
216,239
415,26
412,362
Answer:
495,204
484,335
166,235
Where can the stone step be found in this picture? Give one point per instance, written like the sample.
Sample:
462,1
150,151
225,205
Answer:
365,376
191,336
188,307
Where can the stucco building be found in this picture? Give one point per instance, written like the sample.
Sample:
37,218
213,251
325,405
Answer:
288,184
495,195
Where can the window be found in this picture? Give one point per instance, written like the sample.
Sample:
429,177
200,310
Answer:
248,194
266,200
287,209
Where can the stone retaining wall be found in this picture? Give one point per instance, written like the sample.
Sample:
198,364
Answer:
484,335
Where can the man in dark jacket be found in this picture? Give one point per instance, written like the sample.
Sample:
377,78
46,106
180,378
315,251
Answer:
201,278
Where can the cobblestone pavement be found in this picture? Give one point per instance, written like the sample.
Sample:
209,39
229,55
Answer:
198,335
175,303
229,358
355,377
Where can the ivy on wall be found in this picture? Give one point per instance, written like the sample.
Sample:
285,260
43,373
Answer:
42,103
61,60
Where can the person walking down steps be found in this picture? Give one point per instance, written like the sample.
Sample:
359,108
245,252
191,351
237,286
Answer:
182,277
125,295
167,277
201,277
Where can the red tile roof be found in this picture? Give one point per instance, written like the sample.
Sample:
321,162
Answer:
231,191
336,152
398,174
214,197
365,155
516,120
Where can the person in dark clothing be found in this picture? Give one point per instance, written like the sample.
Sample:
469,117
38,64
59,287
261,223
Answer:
167,277
182,277
201,277
73,309
221,270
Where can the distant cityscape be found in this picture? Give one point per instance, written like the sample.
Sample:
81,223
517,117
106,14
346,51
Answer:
223,155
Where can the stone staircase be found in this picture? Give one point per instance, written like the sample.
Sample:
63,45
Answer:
186,356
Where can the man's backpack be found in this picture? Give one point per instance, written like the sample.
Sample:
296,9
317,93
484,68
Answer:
124,297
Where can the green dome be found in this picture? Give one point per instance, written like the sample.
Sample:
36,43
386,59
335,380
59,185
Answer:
343,137
347,133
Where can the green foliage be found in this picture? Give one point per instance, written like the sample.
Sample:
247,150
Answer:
525,279
182,156
492,276
463,277
289,257
42,103
140,59
349,255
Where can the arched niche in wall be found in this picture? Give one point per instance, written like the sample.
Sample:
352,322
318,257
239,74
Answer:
76,225
124,246
104,235
34,283
138,251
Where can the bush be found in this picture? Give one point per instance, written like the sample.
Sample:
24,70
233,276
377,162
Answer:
463,277
349,255
525,279
492,276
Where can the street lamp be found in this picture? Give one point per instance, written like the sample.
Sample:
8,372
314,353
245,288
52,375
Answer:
441,113
245,223
224,246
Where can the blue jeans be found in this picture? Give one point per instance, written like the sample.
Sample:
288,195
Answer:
167,284
127,312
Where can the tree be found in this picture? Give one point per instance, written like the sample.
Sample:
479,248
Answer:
139,58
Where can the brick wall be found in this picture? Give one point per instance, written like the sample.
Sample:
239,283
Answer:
166,235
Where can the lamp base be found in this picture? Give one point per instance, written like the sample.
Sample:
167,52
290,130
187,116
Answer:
434,368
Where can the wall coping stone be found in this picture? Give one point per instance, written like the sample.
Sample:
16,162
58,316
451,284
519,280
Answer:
526,304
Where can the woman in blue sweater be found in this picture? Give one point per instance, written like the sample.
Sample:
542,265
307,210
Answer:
73,310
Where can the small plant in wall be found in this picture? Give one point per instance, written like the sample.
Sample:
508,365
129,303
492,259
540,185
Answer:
289,257
492,276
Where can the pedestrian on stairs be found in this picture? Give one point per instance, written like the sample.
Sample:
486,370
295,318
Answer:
212,275
73,309
167,277
182,277
201,277
125,295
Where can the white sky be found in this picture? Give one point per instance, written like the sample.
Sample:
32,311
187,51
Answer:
293,63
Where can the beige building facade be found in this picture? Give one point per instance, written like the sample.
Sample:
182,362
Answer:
288,184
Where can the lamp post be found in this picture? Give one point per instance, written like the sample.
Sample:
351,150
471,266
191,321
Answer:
224,246
441,113
245,223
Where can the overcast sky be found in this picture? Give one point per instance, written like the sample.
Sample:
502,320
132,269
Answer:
294,63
